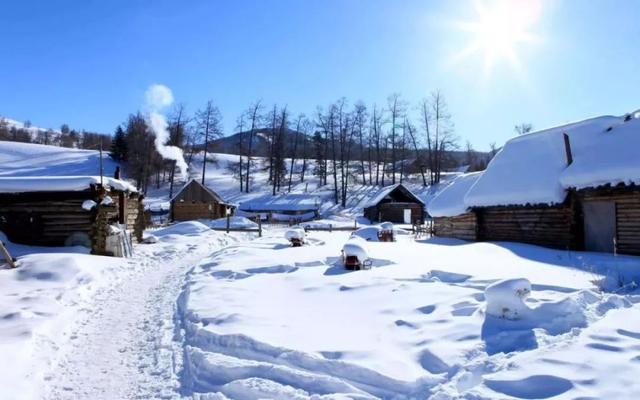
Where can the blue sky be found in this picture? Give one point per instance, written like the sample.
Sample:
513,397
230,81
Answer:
88,63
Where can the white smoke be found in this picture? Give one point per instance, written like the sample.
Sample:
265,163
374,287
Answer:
158,97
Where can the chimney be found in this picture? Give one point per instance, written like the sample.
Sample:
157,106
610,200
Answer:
567,149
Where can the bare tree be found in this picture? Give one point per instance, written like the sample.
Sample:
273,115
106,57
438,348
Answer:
176,138
523,128
396,109
255,119
209,121
376,128
299,124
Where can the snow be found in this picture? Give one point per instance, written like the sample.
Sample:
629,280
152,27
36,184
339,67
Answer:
23,184
88,205
234,222
27,159
384,192
295,233
287,202
528,169
605,157
356,248
264,319
505,298
450,201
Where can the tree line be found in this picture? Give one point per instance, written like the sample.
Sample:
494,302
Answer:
378,144
66,137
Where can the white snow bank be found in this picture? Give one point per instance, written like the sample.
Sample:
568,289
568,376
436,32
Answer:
37,301
295,233
370,233
505,298
528,168
449,202
182,228
23,184
236,222
603,157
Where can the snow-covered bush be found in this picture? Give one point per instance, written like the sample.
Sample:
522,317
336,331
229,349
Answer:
505,298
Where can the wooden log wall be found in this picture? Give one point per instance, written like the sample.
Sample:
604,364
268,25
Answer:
463,226
627,201
545,226
44,223
187,211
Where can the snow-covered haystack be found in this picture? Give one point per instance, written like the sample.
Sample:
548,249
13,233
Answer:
505,298
294,233
356,248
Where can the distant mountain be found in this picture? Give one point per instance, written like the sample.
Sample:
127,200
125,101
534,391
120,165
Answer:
260,146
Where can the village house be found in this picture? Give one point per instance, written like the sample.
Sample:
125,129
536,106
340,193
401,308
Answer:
70,210
450,216
296,207
395,203
196,201
569,187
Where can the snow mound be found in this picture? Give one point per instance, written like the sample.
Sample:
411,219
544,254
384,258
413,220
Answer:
505,298
182,228
235,222
296,233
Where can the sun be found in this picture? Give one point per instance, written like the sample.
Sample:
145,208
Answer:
500,29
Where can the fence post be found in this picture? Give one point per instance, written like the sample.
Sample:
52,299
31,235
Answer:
228,221
330,228
259,226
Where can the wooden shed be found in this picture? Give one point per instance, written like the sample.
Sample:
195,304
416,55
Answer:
568,187
395,203
69,210
196,201
451,217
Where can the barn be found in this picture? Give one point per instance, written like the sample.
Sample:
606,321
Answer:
567,187
451,217
69,210
196,201
285,207
395,203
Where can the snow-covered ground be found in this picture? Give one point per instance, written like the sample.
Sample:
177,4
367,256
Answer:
266,320
208,315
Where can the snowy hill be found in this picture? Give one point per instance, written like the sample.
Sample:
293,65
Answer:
27,159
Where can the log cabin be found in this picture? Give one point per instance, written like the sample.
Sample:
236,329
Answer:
451,217
395,203
197,201
69,210
570,187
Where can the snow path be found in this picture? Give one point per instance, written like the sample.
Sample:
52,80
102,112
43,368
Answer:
122,345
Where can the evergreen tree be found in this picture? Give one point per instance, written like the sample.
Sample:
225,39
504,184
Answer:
119,145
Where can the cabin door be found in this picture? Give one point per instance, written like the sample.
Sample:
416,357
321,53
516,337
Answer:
599,225
407,216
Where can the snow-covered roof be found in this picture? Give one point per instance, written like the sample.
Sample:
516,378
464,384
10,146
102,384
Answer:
605,157
385,191
25,184
285,202
528,169
207,189
449,202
